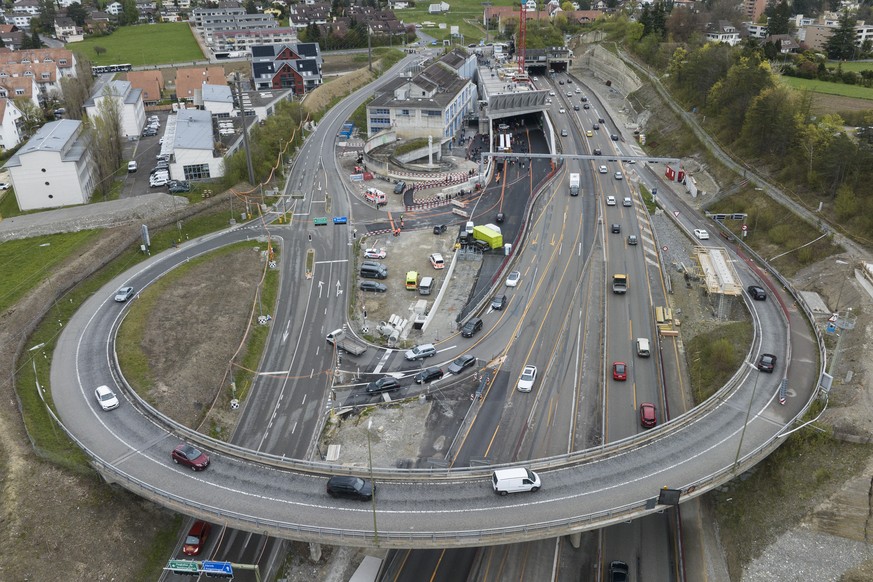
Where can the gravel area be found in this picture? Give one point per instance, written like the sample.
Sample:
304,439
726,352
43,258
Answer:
802,555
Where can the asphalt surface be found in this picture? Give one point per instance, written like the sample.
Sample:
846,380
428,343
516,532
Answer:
270,499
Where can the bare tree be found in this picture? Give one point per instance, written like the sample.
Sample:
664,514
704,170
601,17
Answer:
77,89
105,131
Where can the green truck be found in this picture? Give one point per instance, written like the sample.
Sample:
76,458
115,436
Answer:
489,235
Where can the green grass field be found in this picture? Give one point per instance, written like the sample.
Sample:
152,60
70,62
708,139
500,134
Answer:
856,66
24,263
466,14
144,44
816,86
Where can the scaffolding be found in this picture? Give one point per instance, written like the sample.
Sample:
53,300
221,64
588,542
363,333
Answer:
719,278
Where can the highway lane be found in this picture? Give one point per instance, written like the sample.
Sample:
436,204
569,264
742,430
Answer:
140,447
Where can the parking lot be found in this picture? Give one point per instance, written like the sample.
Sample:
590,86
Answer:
410,252
143,150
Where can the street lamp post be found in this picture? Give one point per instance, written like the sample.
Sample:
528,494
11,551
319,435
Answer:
748,413
372,482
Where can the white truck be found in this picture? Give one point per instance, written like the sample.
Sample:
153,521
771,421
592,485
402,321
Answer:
341,341
574,184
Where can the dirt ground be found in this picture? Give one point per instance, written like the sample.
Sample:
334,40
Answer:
193,332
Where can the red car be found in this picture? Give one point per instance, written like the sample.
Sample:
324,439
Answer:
190,457
196,538
648,418
619,371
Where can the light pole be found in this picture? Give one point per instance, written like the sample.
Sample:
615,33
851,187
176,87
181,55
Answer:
748,413
372,482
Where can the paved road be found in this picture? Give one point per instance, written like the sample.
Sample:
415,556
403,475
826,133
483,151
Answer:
462,508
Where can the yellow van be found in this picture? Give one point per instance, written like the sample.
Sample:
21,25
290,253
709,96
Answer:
412,280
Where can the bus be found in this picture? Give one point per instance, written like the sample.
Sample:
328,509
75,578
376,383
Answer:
100,69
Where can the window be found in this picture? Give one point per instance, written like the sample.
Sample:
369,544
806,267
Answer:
404,112
196,171
19,91
382,112
431,113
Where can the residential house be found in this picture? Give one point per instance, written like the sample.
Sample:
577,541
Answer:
54,168
432,103
67,31
44,75
151,83
20,88
68,3
12,36
438,8
97,22
11,120
114,9
129,100
28,7
193,78
723,31
294,66
754,30
63,59
785,43
20,20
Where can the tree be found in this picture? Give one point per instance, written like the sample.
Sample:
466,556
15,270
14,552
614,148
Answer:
815,138
32,116
730,97
47,13
251,8
129,13
77,89
77,13
99,50
35,41
778,18
771,124
105,134
841,44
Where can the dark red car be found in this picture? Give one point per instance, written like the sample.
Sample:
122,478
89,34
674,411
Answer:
187,455
619,371
196,538
648,418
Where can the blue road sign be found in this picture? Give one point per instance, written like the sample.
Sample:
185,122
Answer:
224,568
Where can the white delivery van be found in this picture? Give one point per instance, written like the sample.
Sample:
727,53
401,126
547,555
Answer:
514,480
469,227
425,286
643,349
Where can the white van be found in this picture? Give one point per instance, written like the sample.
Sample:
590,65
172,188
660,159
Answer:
643,349
425,286
469,228
515,480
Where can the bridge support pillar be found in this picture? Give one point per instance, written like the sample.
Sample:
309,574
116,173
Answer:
314,551
576,539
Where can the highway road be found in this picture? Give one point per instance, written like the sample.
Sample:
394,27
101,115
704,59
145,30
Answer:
285,497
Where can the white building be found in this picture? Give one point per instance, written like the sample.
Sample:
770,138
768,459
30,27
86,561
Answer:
67,3
130,99
10,124
114,9
216,99
432,103
54,168
193,146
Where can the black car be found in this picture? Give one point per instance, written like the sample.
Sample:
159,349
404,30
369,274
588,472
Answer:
757,293
618,571
601,120
439,229
462,363
616,228
613,137
498,303
632,239
384,384
428,375
373,286
766,362
471,327
586,106
179,186
500,217
350,487
597,152
576,108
